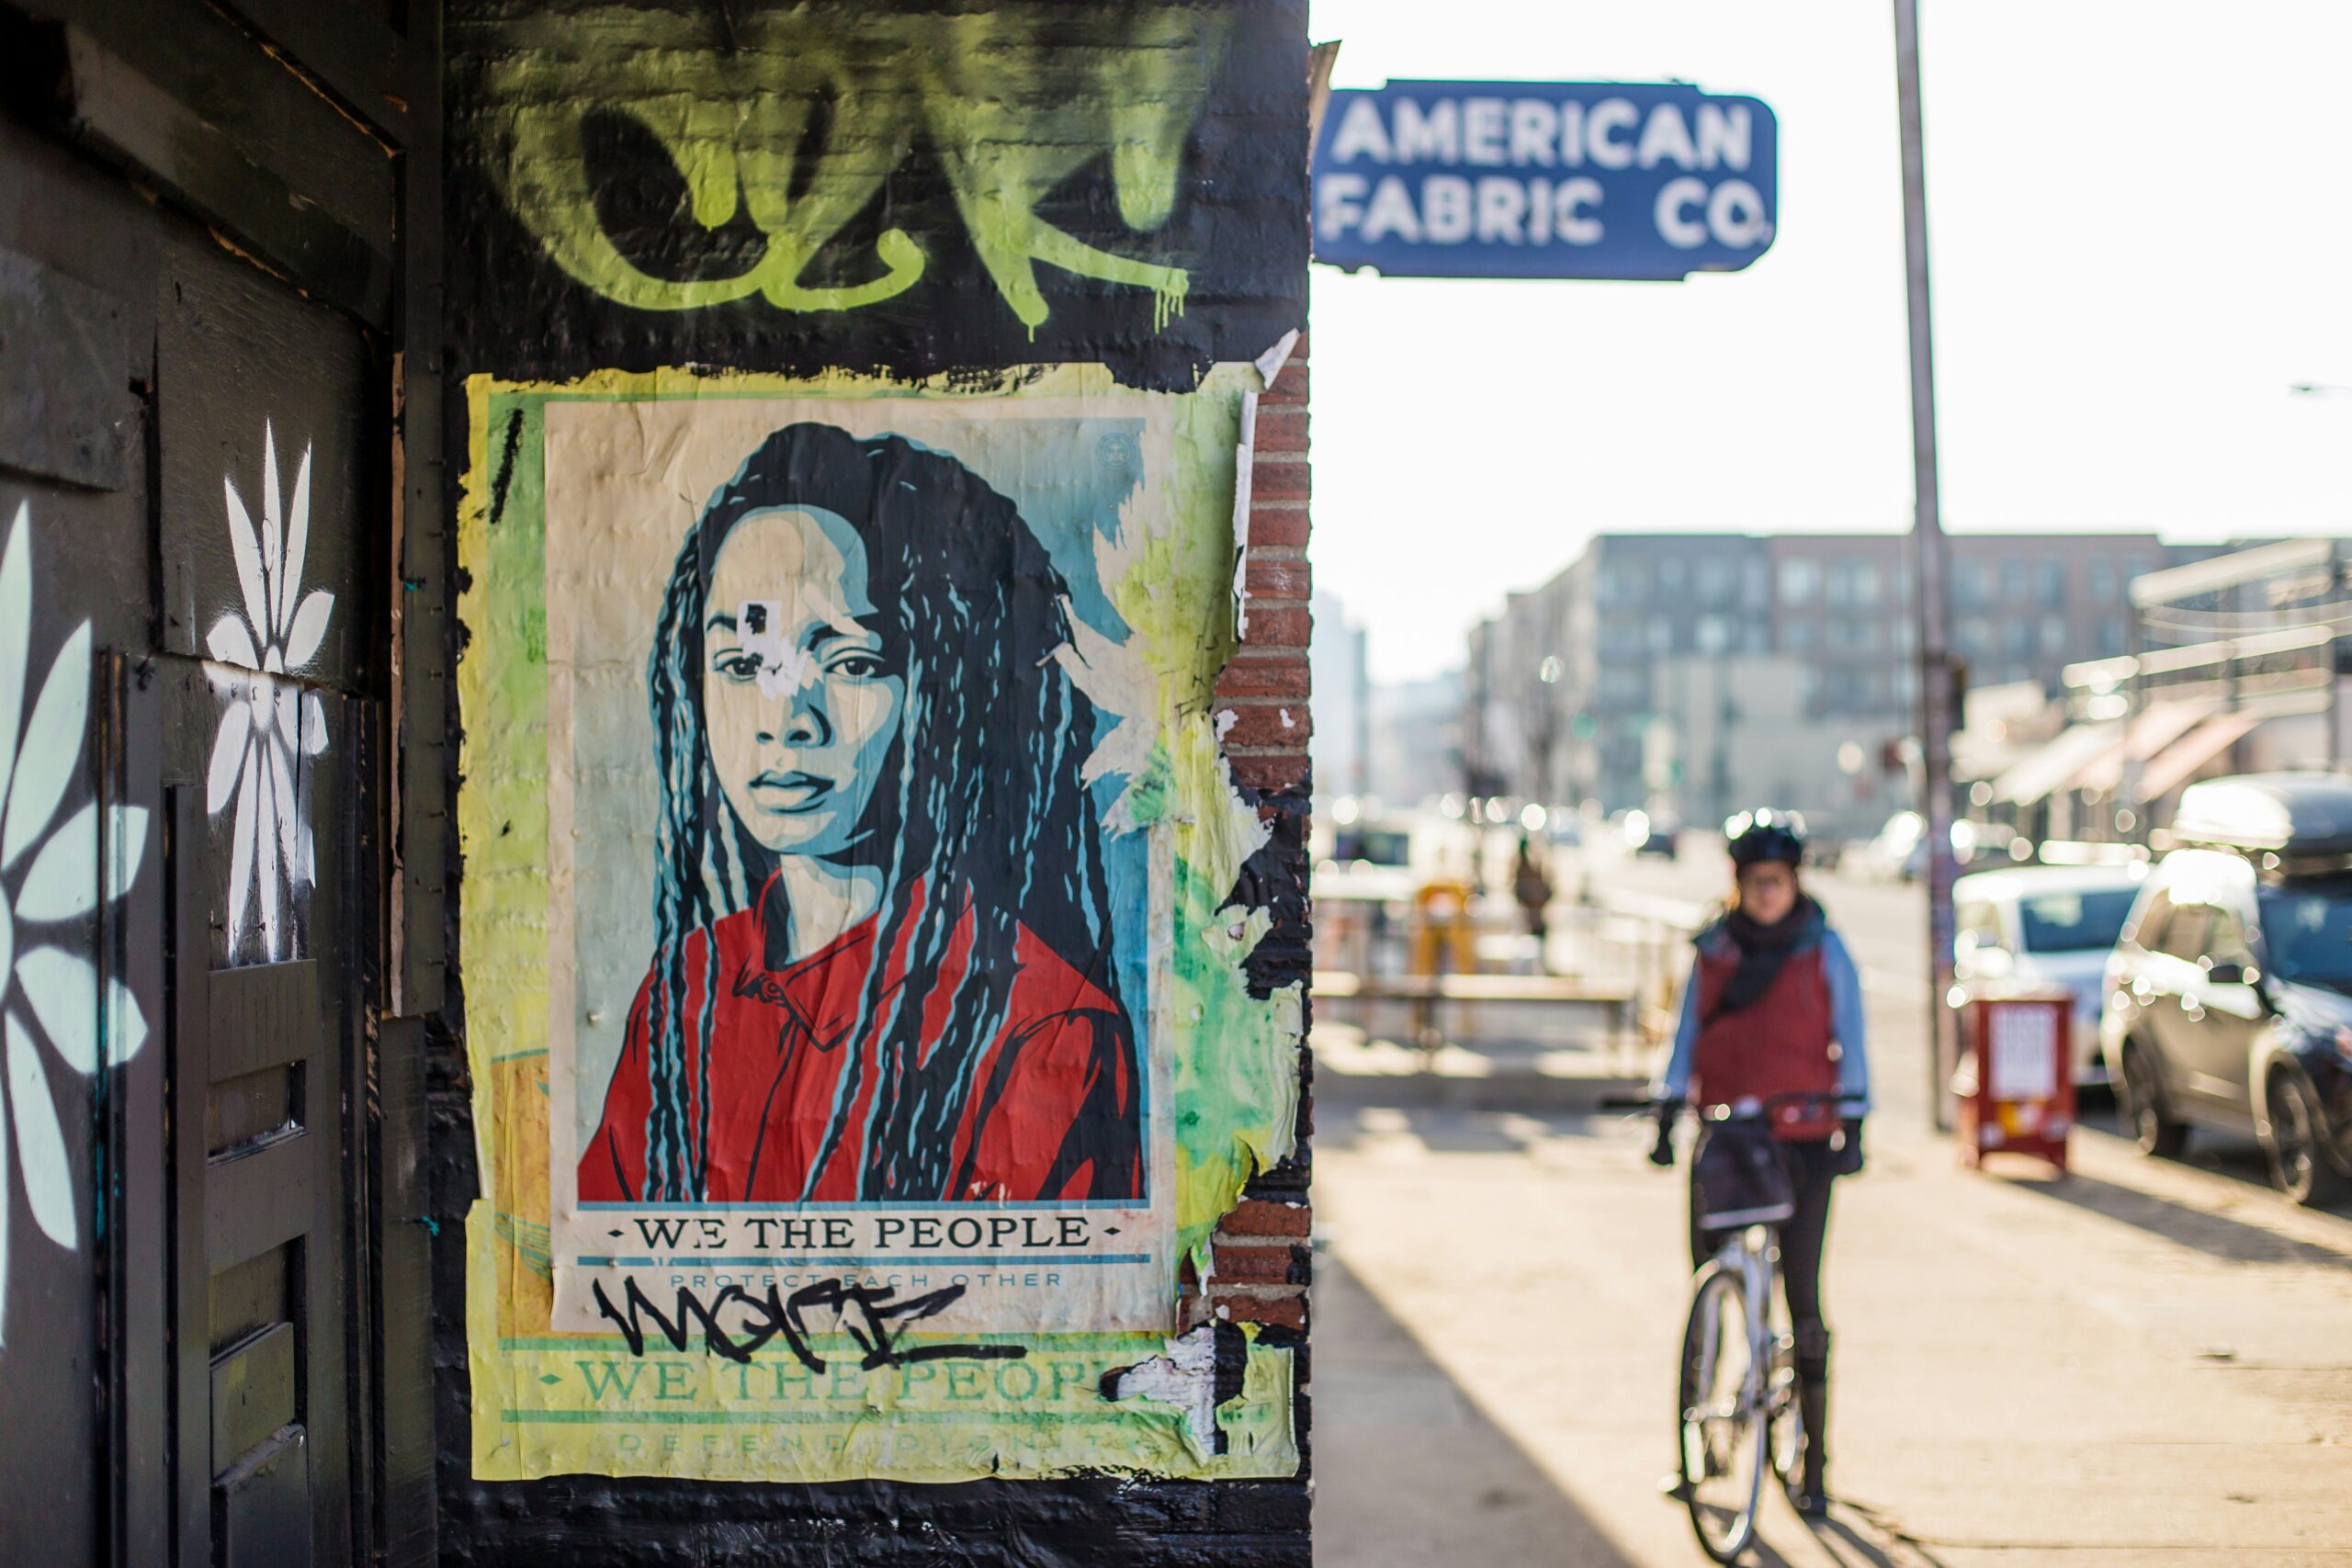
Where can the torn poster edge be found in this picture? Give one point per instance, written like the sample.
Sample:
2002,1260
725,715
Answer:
1244,458
1204,1368
1269,364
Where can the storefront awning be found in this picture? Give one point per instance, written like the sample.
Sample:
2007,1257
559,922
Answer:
2156,727
2046,769
2180,762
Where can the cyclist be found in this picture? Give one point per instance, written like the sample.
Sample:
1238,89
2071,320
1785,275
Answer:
1774,1007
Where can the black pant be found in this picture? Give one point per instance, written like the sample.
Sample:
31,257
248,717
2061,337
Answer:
1811,1172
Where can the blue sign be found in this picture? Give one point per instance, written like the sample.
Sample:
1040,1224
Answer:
1528,179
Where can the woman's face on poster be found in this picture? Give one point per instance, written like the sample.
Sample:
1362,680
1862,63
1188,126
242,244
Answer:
801,699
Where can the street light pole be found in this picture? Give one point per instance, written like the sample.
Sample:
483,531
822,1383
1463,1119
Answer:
2337,738
1936,719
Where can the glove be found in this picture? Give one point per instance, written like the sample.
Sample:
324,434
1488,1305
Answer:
1662,1146
1847,1160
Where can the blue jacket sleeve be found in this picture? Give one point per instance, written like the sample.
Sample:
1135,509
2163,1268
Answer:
1847,1024
1674,1083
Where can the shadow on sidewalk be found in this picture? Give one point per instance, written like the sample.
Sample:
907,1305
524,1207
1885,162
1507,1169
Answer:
2235,1158
1408,1471
1854,1549
2216,1235
1452,1130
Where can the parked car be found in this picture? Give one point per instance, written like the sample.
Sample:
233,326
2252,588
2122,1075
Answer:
1647,835
2230,993
2048,925
1899,853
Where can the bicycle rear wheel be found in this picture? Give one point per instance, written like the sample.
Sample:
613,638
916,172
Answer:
1784,1412
1723,1415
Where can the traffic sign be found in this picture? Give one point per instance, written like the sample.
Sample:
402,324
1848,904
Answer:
1529,180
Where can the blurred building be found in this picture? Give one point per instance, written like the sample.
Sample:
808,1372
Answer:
1705,670
1342,682
1416,739
2240,663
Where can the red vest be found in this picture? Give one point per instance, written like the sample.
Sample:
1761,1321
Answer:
1777,1044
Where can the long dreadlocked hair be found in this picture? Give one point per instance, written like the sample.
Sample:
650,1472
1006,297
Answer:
980,802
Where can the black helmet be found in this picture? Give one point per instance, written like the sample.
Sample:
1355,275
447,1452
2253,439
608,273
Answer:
1765,835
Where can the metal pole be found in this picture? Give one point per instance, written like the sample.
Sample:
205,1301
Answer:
2127,792
1936,717
1361,697
2335,676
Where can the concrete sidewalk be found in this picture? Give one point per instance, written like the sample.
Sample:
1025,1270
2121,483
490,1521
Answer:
2141,1364
1353,1069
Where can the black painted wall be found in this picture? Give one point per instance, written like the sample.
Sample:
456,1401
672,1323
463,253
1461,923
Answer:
1234,221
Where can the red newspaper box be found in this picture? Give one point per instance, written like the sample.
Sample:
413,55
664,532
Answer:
2016,1082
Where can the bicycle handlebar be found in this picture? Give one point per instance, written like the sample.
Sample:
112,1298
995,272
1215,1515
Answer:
1751,1110
1743,1109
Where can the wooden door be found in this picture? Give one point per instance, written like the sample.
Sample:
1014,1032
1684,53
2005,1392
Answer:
269,474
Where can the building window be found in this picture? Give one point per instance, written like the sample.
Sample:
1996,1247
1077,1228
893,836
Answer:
1713,633
1661,635
2054,635
2112,638
1718,576
1800,581
2053,584
1974,580
1671,573
1866,583
1624,686
1796,636
1974,636
2017,636
1847,635
1622,582
2014,587
2106,586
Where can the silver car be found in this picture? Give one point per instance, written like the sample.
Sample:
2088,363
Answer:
2047,925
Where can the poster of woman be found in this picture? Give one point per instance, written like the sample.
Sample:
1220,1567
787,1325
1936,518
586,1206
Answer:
882,962
854,944
863,1003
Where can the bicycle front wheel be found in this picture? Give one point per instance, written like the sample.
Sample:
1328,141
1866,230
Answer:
1723,1413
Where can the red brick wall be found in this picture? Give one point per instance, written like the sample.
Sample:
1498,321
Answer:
1261,699
1262,1257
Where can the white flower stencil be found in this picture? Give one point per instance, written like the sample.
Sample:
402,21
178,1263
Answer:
269,726
48,878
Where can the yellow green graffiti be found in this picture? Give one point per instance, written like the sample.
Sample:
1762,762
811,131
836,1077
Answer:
797,119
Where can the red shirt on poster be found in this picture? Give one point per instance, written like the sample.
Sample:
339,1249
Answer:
1062,1126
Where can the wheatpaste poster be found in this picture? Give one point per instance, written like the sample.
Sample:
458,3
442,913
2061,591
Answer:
861,1034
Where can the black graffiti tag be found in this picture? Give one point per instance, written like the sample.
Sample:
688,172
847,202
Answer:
868,1315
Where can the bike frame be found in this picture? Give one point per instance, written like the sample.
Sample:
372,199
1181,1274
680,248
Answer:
1750,1255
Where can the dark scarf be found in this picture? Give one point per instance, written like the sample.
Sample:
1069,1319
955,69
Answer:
1763,951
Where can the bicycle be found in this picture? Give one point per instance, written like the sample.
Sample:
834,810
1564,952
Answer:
1735,1398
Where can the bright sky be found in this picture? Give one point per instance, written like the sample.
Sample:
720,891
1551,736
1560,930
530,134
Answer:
2140,232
